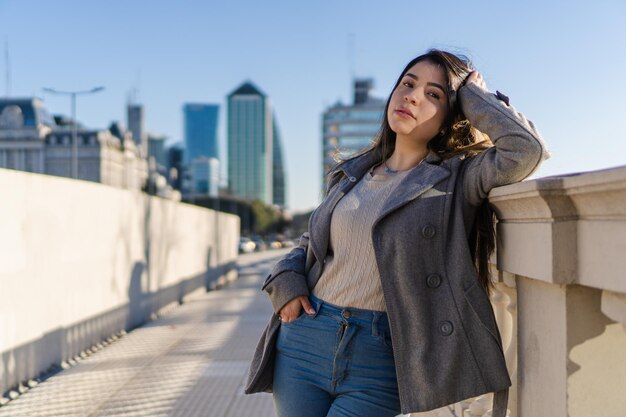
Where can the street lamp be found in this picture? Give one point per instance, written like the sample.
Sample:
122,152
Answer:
73,95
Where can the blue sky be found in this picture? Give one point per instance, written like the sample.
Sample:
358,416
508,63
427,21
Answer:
562,63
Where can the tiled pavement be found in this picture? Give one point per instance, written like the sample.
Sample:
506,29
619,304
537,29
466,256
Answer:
190,362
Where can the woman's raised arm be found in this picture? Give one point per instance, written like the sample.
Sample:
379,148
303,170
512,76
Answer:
519,148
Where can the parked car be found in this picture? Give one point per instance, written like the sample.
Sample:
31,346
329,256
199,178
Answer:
246,245
288,243
260,244
275,244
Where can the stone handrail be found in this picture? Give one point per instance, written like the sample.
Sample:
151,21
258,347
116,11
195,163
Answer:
560,298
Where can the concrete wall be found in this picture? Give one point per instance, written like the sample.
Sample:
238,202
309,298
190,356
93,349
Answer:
80,261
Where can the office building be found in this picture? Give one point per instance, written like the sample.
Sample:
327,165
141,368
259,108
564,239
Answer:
200,122
278,180
31,140
135,121
250,144
24,125
348,129
175,165
204,175
156,150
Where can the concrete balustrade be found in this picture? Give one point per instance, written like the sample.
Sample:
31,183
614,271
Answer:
560,300
80,261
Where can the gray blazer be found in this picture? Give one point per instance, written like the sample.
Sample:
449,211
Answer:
445,339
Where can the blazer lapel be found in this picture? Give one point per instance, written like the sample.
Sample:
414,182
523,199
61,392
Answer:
416,183
319,223
423,178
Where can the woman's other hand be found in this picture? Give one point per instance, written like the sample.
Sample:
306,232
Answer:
477,78
292,309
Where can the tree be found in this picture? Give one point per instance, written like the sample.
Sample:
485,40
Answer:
266,218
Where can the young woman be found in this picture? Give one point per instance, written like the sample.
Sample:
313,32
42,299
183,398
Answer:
383,308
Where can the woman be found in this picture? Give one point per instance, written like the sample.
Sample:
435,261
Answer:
383,308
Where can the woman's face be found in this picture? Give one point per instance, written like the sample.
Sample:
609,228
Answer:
419,104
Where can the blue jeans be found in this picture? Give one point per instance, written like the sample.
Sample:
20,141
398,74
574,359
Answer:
338,362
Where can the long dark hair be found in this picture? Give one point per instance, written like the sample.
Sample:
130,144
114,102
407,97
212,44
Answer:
459,137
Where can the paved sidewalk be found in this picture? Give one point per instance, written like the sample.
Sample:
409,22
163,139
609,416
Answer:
190,362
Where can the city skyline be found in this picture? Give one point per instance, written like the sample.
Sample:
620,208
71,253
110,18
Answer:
554,60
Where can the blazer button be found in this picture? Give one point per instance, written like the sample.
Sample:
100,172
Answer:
446,328
433,280
428,231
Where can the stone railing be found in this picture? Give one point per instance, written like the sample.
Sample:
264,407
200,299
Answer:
560,299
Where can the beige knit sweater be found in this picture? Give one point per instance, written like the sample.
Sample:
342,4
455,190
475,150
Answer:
350,277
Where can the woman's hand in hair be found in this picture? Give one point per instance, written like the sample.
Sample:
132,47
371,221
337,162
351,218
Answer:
476,78
292,309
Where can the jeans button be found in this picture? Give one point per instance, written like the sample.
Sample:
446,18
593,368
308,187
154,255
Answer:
346,314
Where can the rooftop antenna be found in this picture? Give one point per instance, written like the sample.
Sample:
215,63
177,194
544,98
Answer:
8,67
132,97
137,87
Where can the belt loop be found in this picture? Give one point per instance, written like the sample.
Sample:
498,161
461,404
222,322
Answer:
375,323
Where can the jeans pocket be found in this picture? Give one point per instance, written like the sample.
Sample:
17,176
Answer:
302,315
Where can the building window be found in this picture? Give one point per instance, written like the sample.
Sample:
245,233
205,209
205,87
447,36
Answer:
66,140
30,161
11,162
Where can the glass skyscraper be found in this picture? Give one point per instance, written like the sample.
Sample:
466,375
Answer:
135,121
156,150
255,169
200,131
204,176
349,128
175,165
278,179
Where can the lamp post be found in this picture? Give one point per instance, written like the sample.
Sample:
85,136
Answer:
73,95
